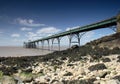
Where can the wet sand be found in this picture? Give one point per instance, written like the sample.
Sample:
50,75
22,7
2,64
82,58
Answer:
13,51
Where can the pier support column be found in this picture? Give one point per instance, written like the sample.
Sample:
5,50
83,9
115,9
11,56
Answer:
118,23
48,44
52,43
58,42
42,42
58,39
74,35
78,36
37,45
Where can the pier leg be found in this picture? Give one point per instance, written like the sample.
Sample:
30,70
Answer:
80,36
37,45
58,43
118,23
48,45
52,44
42,44
70,38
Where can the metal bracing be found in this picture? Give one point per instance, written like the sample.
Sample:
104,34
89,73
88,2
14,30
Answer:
58,42
102,24
70,39
78,36
77,33
113,28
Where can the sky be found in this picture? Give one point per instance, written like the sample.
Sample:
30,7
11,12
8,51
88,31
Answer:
23,20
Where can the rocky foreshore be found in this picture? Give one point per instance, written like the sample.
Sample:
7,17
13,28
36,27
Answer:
88,64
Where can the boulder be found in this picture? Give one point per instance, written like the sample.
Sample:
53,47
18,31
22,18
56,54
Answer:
74,46
7,80
68,74
106,60
113,81
100,66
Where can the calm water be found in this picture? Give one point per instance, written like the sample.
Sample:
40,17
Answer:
6,51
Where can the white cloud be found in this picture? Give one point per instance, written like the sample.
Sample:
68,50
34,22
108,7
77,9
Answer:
44,32
15,35
25,29
28,22
67,29
48,30
31,35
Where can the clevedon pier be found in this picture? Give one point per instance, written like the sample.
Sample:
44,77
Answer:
113,23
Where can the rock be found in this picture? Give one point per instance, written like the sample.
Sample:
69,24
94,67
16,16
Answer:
112,82
118,60
106,60
117,77
98,78
102,74
118,57
70,64
29,69
56,82
1,74
26,77
19,81
88,81
74,46
40,79
68,74
100,66
7,80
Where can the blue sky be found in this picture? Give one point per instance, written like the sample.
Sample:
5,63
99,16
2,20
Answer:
23,20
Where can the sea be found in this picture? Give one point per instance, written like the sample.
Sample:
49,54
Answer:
18,51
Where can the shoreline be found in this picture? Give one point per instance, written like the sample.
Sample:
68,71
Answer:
19,51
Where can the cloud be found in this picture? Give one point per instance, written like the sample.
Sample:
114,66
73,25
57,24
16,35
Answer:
25,29
44,32
15,35
31,35
28,22
48,30
67,29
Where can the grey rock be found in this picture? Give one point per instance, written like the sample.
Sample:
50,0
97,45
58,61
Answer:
68,74
7,80
113,82
100,66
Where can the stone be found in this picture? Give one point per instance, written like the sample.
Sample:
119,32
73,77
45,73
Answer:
74,46
100,66
68,74
117,77
106,60
26,77
98,78
102,74
70,64
56,82
40,79
7,80
113,81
